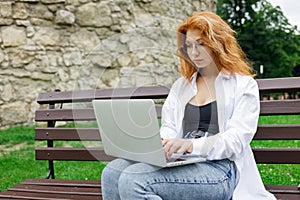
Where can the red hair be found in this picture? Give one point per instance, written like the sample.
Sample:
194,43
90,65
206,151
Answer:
220,38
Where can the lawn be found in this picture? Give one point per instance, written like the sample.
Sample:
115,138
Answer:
17,160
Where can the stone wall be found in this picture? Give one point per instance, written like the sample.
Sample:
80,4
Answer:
85,44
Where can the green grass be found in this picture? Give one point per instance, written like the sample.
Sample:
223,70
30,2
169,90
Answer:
17,159
17,135
18,164
279,119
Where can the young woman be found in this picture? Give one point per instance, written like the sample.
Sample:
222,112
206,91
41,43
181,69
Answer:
212,110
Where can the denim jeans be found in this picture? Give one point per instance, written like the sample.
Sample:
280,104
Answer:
123,179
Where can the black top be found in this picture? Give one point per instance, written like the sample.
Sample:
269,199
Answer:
203,118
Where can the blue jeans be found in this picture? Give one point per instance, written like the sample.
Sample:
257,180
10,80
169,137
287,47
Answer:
123,179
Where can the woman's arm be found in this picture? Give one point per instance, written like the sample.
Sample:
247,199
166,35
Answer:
168,127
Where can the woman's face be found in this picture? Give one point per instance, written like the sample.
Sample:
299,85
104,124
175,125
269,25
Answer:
198,52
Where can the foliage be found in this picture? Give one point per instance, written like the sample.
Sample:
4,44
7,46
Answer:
264,34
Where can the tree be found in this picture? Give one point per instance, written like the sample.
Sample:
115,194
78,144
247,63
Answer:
265,35
236,12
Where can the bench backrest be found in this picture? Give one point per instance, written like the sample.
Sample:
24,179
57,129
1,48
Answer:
75,106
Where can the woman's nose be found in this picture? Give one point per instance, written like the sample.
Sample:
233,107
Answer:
195,51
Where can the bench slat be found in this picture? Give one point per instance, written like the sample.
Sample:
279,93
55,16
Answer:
80,154
277,155
264,132
94,187
289,192
57,189
66,183
268,155
152,92
68,134
278,132
265,85
280,107
283,107
81,114
283,196
291,189
42,195
279,84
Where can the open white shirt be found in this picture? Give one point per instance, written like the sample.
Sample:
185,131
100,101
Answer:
238,108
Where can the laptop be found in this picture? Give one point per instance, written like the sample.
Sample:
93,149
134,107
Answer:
129,129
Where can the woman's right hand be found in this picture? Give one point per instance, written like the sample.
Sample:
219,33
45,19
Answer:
177,145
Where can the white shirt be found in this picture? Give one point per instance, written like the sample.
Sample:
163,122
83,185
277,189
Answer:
238,107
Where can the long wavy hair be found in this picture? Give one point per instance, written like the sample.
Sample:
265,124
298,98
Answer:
220,38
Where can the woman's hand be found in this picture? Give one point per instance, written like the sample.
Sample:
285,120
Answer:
177,145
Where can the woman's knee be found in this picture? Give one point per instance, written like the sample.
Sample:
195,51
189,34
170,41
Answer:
136,173
134,178
113,170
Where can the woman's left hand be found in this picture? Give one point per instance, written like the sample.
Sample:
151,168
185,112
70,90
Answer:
177,145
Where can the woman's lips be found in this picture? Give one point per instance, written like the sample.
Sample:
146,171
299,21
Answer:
197,60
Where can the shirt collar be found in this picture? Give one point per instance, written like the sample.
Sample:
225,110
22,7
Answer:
224,74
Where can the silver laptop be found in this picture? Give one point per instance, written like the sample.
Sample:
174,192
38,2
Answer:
129,129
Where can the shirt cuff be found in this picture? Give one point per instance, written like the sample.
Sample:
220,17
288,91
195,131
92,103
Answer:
197,145
202,146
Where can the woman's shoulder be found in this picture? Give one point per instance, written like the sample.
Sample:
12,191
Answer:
240,82
246,79
241,79
179,83
245,83
243,76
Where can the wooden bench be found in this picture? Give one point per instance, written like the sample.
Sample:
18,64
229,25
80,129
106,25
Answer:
75,106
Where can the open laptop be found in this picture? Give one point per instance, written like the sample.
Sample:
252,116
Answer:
129,129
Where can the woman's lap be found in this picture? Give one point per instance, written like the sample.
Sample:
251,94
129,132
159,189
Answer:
207,180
